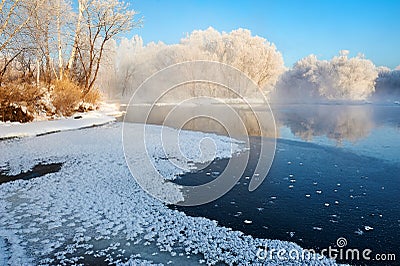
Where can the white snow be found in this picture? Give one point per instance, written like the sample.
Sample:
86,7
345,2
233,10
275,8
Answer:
104,115
94,208
3,252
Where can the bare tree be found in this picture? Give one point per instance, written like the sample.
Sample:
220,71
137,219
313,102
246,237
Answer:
14,15
14,18
103,20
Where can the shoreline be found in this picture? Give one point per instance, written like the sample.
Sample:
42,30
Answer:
83,188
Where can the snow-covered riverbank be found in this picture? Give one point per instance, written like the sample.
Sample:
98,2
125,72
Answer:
93,210
105,115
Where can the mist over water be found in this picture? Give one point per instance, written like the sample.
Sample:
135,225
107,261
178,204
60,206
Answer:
337,123
334,174
344,126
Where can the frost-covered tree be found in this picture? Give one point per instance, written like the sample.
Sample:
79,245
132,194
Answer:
15,17
341,78
48,31
253,55
387,83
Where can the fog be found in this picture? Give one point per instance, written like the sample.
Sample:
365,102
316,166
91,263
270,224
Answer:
387,86
128,63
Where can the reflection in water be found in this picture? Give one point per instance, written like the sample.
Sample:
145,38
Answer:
161,115
337,122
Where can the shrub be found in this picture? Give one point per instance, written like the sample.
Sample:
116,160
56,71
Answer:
66,96
19,102
92,97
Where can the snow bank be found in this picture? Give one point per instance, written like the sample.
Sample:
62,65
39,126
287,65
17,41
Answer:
106,114
92,209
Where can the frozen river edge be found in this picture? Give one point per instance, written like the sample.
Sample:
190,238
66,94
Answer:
92,209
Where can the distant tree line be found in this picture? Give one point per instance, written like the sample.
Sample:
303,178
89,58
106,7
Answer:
130,62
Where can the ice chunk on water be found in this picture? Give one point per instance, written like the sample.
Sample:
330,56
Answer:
237,214
368,228
359,232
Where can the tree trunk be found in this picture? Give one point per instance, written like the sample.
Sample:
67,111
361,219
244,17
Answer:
77,33
37,72
60,59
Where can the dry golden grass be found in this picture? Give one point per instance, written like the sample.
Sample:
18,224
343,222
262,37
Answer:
66,96
15,100
20,101
92,97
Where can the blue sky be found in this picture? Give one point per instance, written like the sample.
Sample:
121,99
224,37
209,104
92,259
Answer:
298,28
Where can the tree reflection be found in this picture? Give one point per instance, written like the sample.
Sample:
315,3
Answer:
339,122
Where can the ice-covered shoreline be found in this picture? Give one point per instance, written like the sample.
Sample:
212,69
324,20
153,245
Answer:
106,114
94,208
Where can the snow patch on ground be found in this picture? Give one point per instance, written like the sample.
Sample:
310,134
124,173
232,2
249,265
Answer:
104,115
167,152
93,211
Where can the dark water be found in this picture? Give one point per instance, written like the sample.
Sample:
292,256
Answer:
361,191
336,173
37,171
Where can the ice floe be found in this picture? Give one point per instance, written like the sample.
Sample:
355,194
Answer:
368,228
